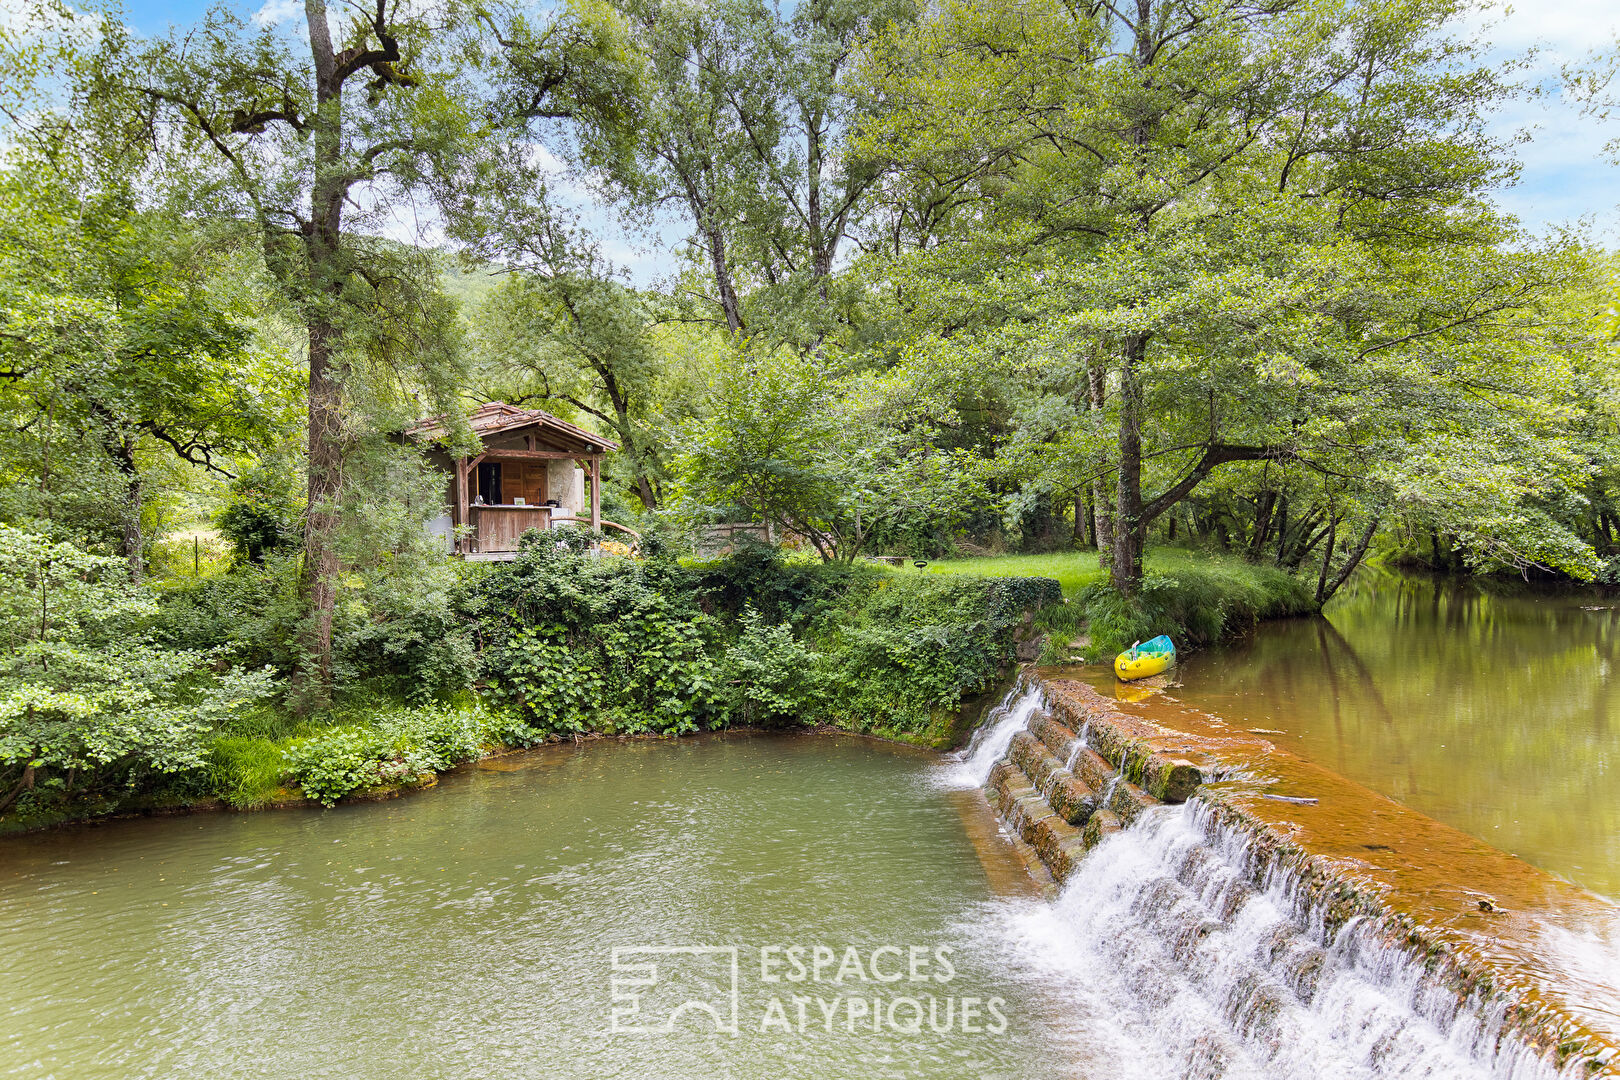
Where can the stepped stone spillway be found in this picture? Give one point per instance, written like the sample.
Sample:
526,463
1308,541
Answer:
1082,768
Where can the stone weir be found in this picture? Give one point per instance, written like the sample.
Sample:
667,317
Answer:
1375,901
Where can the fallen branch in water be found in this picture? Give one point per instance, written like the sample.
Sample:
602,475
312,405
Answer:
1291,799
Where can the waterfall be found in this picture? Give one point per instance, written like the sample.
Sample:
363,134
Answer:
1210,977
991,738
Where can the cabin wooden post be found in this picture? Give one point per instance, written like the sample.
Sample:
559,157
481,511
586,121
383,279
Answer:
461,500
596,492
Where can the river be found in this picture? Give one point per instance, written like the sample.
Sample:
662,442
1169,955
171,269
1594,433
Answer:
819,907
469,931
1492,708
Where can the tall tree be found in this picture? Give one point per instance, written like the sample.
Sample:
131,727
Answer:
126,334
1269,220
741,125
309,141
560,330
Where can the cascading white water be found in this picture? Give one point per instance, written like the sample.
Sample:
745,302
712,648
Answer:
1209,977
991,739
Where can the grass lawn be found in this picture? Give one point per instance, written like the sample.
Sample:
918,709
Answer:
1077,569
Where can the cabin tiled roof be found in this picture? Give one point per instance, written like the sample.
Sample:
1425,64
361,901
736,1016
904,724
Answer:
498,417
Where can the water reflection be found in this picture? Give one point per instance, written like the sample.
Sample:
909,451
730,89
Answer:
1490,709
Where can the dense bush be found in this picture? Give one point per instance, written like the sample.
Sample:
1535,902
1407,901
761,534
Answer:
392,749
91,704
1196,607
577,643
900,653
397,633
262,513
767,674
580,644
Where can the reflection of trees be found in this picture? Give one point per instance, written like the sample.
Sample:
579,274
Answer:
1490,710
1329,641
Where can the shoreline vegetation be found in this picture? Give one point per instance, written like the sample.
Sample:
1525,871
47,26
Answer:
560,645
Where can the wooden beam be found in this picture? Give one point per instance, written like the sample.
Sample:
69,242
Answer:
461,499
535,455
596,492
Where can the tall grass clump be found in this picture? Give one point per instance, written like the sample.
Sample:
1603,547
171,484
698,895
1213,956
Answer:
246,771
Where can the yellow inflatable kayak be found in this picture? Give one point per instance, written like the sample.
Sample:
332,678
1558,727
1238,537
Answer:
1145,658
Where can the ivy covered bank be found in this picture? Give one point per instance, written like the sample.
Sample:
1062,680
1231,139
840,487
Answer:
557,644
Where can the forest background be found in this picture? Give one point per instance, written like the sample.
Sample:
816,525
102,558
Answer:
967,279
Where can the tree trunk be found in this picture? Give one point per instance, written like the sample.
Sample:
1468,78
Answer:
1327,558
821,253
1125,572
1282,527
1102,532
24,784
722,280
1357,553
323,239
1262,524
131,542
325,484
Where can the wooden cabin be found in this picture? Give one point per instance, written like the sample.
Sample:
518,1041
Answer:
534,472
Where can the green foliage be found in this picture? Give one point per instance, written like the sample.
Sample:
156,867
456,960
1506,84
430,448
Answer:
84,691
759,576
767,674
1196,607
398,748
576,643
579,644
262,513
786,441
899,654
246,772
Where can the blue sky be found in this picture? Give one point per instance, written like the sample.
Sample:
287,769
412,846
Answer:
1568,177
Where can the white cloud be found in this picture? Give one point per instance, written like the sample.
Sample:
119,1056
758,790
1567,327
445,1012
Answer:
276,12
1567,177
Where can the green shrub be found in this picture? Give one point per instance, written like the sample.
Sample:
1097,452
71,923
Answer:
767,674
1197,607
903,651
577,643
262,514
394,749
90,704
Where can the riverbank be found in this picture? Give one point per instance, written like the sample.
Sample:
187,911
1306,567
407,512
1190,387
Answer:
1198,598
559,646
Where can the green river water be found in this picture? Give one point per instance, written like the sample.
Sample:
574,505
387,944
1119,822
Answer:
469,931
1495,710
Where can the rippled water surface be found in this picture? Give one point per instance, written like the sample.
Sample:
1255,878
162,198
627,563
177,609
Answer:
1495,712
469,931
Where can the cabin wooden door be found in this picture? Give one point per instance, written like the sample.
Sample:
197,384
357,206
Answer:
526,480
